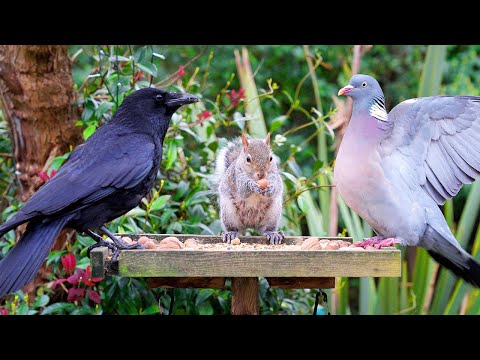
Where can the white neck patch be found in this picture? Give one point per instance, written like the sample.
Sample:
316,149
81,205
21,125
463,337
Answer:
378,111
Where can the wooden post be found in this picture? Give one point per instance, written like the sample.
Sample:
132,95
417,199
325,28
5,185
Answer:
98,258
245,296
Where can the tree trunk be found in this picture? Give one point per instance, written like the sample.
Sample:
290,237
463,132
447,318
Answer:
36,89
36,96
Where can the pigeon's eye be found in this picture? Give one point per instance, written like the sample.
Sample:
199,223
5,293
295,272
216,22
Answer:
364,84
159,98
271,158
249,159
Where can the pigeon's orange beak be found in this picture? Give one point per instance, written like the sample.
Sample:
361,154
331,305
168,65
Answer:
345,90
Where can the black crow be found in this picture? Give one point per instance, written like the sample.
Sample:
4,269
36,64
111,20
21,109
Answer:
103,178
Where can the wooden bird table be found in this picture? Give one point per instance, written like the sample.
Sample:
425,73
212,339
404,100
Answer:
283,267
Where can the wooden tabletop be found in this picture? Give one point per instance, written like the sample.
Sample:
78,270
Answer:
248,263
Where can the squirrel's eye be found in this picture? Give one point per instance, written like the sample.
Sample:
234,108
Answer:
159,97
271,158
364,84
249,159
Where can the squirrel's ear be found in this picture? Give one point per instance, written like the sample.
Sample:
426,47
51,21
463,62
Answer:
267,139
244,141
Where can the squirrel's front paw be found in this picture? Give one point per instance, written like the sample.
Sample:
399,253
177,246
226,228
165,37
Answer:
228,236
275,237
269,190
255,187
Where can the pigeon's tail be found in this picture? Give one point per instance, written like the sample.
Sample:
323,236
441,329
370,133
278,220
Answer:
453,257
22,263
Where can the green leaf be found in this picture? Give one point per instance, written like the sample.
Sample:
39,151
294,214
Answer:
160,202
83,263
277,123
290,177
182,189
213,146
87,113
317,165
58,161
171,155
23,309
136,212
153,309
150,68
205,309
139,54
89,131
41,301
58,308
203,296
103,108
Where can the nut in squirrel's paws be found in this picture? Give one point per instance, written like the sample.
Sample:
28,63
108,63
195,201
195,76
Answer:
263,183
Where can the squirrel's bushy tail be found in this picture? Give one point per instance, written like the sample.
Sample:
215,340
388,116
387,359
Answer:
224,158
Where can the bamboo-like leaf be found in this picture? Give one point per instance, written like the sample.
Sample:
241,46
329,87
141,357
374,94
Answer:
429,85
312,213
388,296
322,149
453,306
432,70
403,288
422,275
446,282
367,296
475,308
257,127
343,308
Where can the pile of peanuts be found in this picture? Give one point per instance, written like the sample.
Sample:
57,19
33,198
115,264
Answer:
169,243
313,243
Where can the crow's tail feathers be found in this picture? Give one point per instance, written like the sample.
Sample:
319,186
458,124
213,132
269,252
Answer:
22,263
453,257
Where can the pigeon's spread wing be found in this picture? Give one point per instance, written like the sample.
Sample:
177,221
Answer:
95,170
435,143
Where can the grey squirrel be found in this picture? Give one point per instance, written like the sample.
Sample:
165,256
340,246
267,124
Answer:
243,202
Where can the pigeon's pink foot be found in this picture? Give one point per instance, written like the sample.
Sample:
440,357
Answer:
377,242
368,242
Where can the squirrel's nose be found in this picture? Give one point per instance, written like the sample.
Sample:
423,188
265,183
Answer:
260,175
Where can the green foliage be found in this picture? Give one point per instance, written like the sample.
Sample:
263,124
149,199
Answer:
285,102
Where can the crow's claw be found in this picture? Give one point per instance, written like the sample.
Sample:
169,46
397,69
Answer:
100,244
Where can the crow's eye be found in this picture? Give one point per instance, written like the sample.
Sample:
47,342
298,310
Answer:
364,84
249,159
159,98
271,158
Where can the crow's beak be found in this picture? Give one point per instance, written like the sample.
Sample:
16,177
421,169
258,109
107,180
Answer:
179,99
345,90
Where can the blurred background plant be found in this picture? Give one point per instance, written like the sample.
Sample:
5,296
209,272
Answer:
290,91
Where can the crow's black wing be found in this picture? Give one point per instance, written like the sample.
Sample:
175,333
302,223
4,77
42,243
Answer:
112,158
